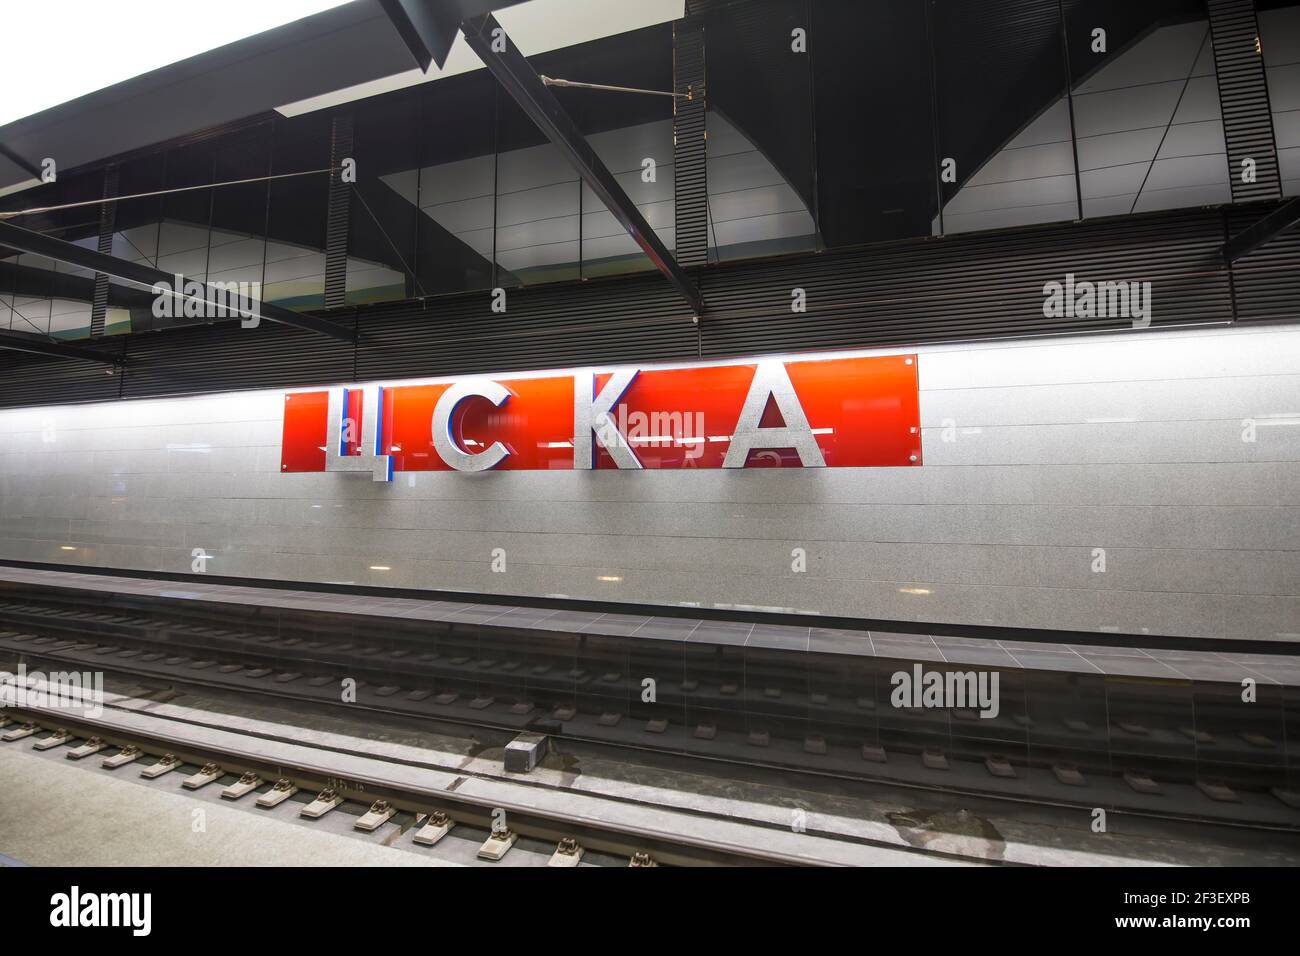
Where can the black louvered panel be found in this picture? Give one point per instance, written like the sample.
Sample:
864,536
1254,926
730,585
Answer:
690,179
1243,99
963,287
977,286
336,230
107,223
226,357
30,380
99,302
1266,283
637,319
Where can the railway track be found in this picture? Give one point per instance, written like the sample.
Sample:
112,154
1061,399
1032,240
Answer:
426,805
468,680
615,811
516,681
378,804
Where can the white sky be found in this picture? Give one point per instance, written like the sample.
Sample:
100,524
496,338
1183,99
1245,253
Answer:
52,48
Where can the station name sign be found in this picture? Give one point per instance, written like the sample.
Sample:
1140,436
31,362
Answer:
837,412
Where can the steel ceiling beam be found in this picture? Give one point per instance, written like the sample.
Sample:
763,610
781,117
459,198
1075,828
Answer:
24,240
40,345
523,84
1258,233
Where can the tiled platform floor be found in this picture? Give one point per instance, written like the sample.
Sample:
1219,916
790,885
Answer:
1113,661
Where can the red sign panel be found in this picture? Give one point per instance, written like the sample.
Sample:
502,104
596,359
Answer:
840,412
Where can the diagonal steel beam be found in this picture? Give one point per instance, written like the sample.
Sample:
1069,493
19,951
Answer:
24,240
40,345
429,27
512,71
1257,233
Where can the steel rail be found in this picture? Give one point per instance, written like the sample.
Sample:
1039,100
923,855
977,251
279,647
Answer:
603,836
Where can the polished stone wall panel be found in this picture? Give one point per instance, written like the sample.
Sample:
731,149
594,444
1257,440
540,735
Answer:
1035,453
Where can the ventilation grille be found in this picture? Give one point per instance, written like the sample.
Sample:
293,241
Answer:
336,229
967,287
226,357
1243,99
690,179
638,319
107,223
29,380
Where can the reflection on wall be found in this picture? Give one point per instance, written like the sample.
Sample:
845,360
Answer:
53,315
526,207
59,318
547,222
292,276
1149,136
1029,180
753,209
606,246
1149,129
1279,32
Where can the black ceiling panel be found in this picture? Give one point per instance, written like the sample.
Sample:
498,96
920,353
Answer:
349,44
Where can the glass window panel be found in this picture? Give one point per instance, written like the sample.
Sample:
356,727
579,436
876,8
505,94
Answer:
30,313
137,230
1003,116
1279,31
869,191
1146,107
69,188
456,184
69,318
295,247
237,246
760,134
607,248
27,304
538,204
383,221
537,218
137,221
137,227
624,130
186,216
43,295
